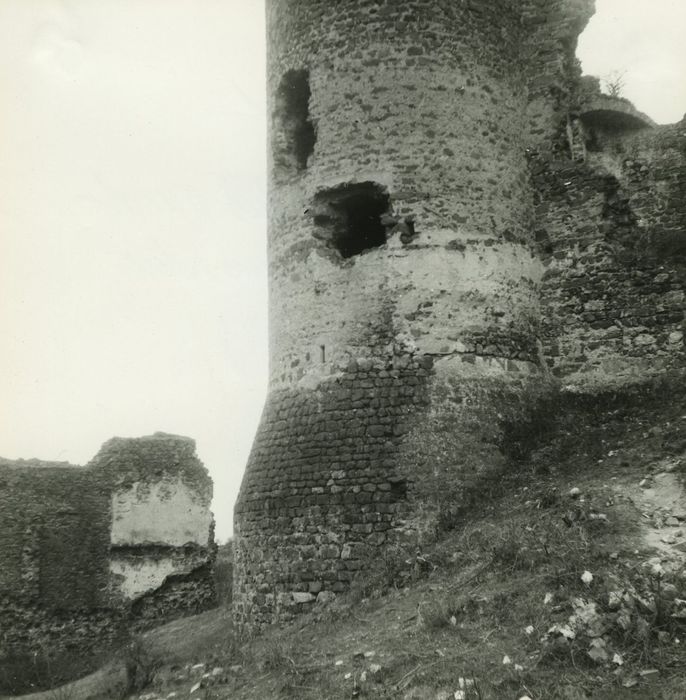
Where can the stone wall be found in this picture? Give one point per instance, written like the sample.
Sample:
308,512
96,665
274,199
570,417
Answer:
548,56
404,276
614,310
92,552
652,173
53,543
161,524
610,224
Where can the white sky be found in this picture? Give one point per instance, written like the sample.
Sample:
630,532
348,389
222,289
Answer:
132,215
644,39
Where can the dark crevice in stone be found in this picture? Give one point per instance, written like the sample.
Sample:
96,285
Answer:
157,549
544,245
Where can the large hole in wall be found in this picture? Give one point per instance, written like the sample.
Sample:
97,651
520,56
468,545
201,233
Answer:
295,135
353,218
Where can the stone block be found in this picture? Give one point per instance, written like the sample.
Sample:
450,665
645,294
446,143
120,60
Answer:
301,598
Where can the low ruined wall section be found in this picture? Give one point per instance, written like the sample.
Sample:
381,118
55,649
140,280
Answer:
91,553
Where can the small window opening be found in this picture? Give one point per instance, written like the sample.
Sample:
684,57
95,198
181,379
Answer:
322,353
398,488
295,135
544,244
353,218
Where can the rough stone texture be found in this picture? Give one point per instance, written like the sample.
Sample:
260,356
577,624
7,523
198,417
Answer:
452,225
610,226
84,549
615,311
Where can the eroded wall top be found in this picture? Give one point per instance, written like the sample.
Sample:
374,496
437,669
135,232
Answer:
132,528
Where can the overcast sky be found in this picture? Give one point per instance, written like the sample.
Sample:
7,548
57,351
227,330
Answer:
132,215
644,40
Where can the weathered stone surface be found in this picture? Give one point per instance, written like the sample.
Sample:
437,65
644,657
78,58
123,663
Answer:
614,291
89,551
167,511
302,598
451,226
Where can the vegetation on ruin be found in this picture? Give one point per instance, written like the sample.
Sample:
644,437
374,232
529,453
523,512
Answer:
549,587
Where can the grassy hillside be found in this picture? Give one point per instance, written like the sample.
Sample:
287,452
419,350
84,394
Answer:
563,580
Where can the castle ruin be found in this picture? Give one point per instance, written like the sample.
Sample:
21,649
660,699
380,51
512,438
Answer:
459,224
91,554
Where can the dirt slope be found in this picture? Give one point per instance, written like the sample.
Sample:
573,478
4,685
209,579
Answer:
564,580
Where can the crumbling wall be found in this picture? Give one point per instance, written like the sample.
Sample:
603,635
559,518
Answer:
611,228
54,540
548,53
652,173
161,524
81,547
614,312
54,544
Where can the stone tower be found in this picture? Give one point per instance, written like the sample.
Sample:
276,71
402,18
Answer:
404,272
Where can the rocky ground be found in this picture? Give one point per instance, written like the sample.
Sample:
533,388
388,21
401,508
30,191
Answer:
567,581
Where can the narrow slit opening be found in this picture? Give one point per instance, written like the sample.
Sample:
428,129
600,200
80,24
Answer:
295,135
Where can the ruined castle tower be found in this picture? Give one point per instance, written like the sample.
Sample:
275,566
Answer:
405,272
